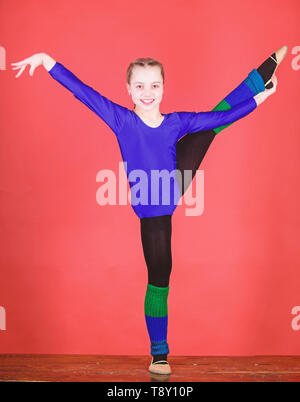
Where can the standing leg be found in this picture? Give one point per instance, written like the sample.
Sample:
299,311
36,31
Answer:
156,241
191,149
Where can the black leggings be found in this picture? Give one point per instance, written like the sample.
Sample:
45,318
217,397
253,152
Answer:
156,231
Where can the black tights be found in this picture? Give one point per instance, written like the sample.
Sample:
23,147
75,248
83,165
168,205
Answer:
156,231
156,240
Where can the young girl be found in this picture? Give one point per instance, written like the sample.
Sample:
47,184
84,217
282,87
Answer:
153,141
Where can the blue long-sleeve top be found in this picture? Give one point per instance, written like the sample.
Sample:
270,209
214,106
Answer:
146,150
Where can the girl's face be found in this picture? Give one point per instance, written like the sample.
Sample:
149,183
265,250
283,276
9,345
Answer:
146,85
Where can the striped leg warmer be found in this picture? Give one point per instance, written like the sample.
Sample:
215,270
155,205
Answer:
250,87
156,315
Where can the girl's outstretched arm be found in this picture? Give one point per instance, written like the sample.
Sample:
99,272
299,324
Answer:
193,122
112,113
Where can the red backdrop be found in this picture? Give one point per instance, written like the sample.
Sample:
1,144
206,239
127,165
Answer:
73,276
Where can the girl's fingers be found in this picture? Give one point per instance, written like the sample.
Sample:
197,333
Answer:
20,62
21,71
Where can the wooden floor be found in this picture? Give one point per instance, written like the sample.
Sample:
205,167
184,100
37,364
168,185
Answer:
103,368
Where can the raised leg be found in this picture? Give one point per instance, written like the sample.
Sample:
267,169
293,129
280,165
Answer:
191,149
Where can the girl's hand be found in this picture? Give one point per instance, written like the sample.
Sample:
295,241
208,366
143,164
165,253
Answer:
262,96
34,61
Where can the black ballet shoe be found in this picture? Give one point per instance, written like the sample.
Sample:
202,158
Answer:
279,56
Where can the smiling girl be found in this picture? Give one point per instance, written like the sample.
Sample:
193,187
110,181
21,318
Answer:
150,140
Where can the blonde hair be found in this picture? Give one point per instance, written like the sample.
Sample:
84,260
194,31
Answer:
144,62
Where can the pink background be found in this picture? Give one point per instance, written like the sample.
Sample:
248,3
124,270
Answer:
73,276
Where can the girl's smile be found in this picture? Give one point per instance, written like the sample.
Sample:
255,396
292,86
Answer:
147,102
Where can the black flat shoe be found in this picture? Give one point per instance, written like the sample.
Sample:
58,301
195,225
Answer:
279,56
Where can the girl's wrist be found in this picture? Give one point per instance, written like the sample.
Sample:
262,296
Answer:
47,61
